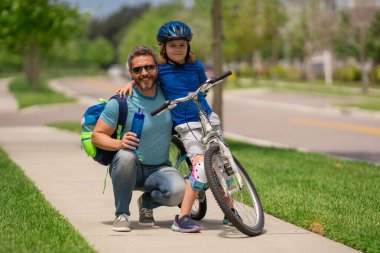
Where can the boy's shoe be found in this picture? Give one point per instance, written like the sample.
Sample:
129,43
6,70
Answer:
121,223
185,225
146,215
227,222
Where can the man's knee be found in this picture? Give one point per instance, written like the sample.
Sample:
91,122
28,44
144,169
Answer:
124,162
176,195
176,191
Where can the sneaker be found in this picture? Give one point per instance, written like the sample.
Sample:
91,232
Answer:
185,225
121,223
146,215
226,221
229,223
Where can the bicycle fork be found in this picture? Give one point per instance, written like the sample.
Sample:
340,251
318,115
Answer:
228,165
230,168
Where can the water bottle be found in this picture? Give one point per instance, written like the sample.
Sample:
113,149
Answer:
138,123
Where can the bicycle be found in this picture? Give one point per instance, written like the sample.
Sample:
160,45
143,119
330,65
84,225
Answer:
229,182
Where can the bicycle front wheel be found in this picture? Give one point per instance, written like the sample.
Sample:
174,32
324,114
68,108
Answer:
241,204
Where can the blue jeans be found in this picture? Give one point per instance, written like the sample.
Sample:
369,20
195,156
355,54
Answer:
162,185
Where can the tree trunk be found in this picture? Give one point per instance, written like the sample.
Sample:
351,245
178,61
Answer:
308,64
32,65
217,40
364,73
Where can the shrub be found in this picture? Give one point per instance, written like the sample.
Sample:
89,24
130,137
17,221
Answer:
375,74
350,73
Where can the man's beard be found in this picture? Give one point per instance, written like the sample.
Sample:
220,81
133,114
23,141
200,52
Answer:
146,84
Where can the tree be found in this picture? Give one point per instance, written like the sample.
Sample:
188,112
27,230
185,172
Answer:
111,26
143,31
31,28
374,39
362,15
217,43
100,52
344,43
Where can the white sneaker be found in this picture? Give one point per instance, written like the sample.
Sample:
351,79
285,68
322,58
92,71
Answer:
121,223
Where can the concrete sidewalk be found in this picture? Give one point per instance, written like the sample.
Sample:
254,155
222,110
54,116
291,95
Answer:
73,184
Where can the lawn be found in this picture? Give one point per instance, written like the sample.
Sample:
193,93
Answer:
28,223
26,96
336,198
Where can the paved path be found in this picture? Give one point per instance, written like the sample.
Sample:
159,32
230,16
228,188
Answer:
73,184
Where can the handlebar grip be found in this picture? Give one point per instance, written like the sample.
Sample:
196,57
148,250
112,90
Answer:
160,109
222,76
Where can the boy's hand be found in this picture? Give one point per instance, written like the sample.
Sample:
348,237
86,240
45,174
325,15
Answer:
127,89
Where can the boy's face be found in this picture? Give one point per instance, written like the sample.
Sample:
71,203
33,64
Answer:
177,50
144,72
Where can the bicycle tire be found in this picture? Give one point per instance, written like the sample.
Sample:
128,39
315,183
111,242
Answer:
250,218
180,161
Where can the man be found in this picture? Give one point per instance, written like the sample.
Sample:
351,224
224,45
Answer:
140,164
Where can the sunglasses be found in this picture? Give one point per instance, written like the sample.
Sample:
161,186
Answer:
138,70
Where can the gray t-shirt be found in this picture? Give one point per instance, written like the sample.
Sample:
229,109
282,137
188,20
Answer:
156,134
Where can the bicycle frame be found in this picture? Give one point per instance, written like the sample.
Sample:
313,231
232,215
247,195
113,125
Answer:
210,136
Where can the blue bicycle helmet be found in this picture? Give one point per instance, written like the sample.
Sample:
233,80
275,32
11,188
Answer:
174,30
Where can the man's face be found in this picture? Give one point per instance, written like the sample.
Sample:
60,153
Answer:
144,72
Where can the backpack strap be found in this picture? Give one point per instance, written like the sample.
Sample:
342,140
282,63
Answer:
123,113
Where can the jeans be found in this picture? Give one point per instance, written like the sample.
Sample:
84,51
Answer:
162,185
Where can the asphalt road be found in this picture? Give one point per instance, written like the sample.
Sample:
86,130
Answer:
304,122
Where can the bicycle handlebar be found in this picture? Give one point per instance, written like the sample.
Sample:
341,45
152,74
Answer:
159,109
222,76
203,87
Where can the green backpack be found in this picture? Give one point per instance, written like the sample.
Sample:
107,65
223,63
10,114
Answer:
89,119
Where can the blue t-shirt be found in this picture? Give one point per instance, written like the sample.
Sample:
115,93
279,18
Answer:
156,134
177,81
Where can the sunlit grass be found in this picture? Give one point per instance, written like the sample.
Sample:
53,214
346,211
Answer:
332,197
28,223
26,96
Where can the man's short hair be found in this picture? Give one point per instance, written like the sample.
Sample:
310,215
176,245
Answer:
140,51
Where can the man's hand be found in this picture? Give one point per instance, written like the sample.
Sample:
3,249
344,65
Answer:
130,141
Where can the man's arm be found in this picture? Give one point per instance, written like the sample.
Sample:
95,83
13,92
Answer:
101,138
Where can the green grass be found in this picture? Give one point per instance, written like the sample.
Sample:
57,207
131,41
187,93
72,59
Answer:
28,223
364,106
336,198
26,96
72,126
64,72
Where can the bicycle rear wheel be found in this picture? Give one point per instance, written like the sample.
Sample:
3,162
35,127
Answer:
247,213
179,160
